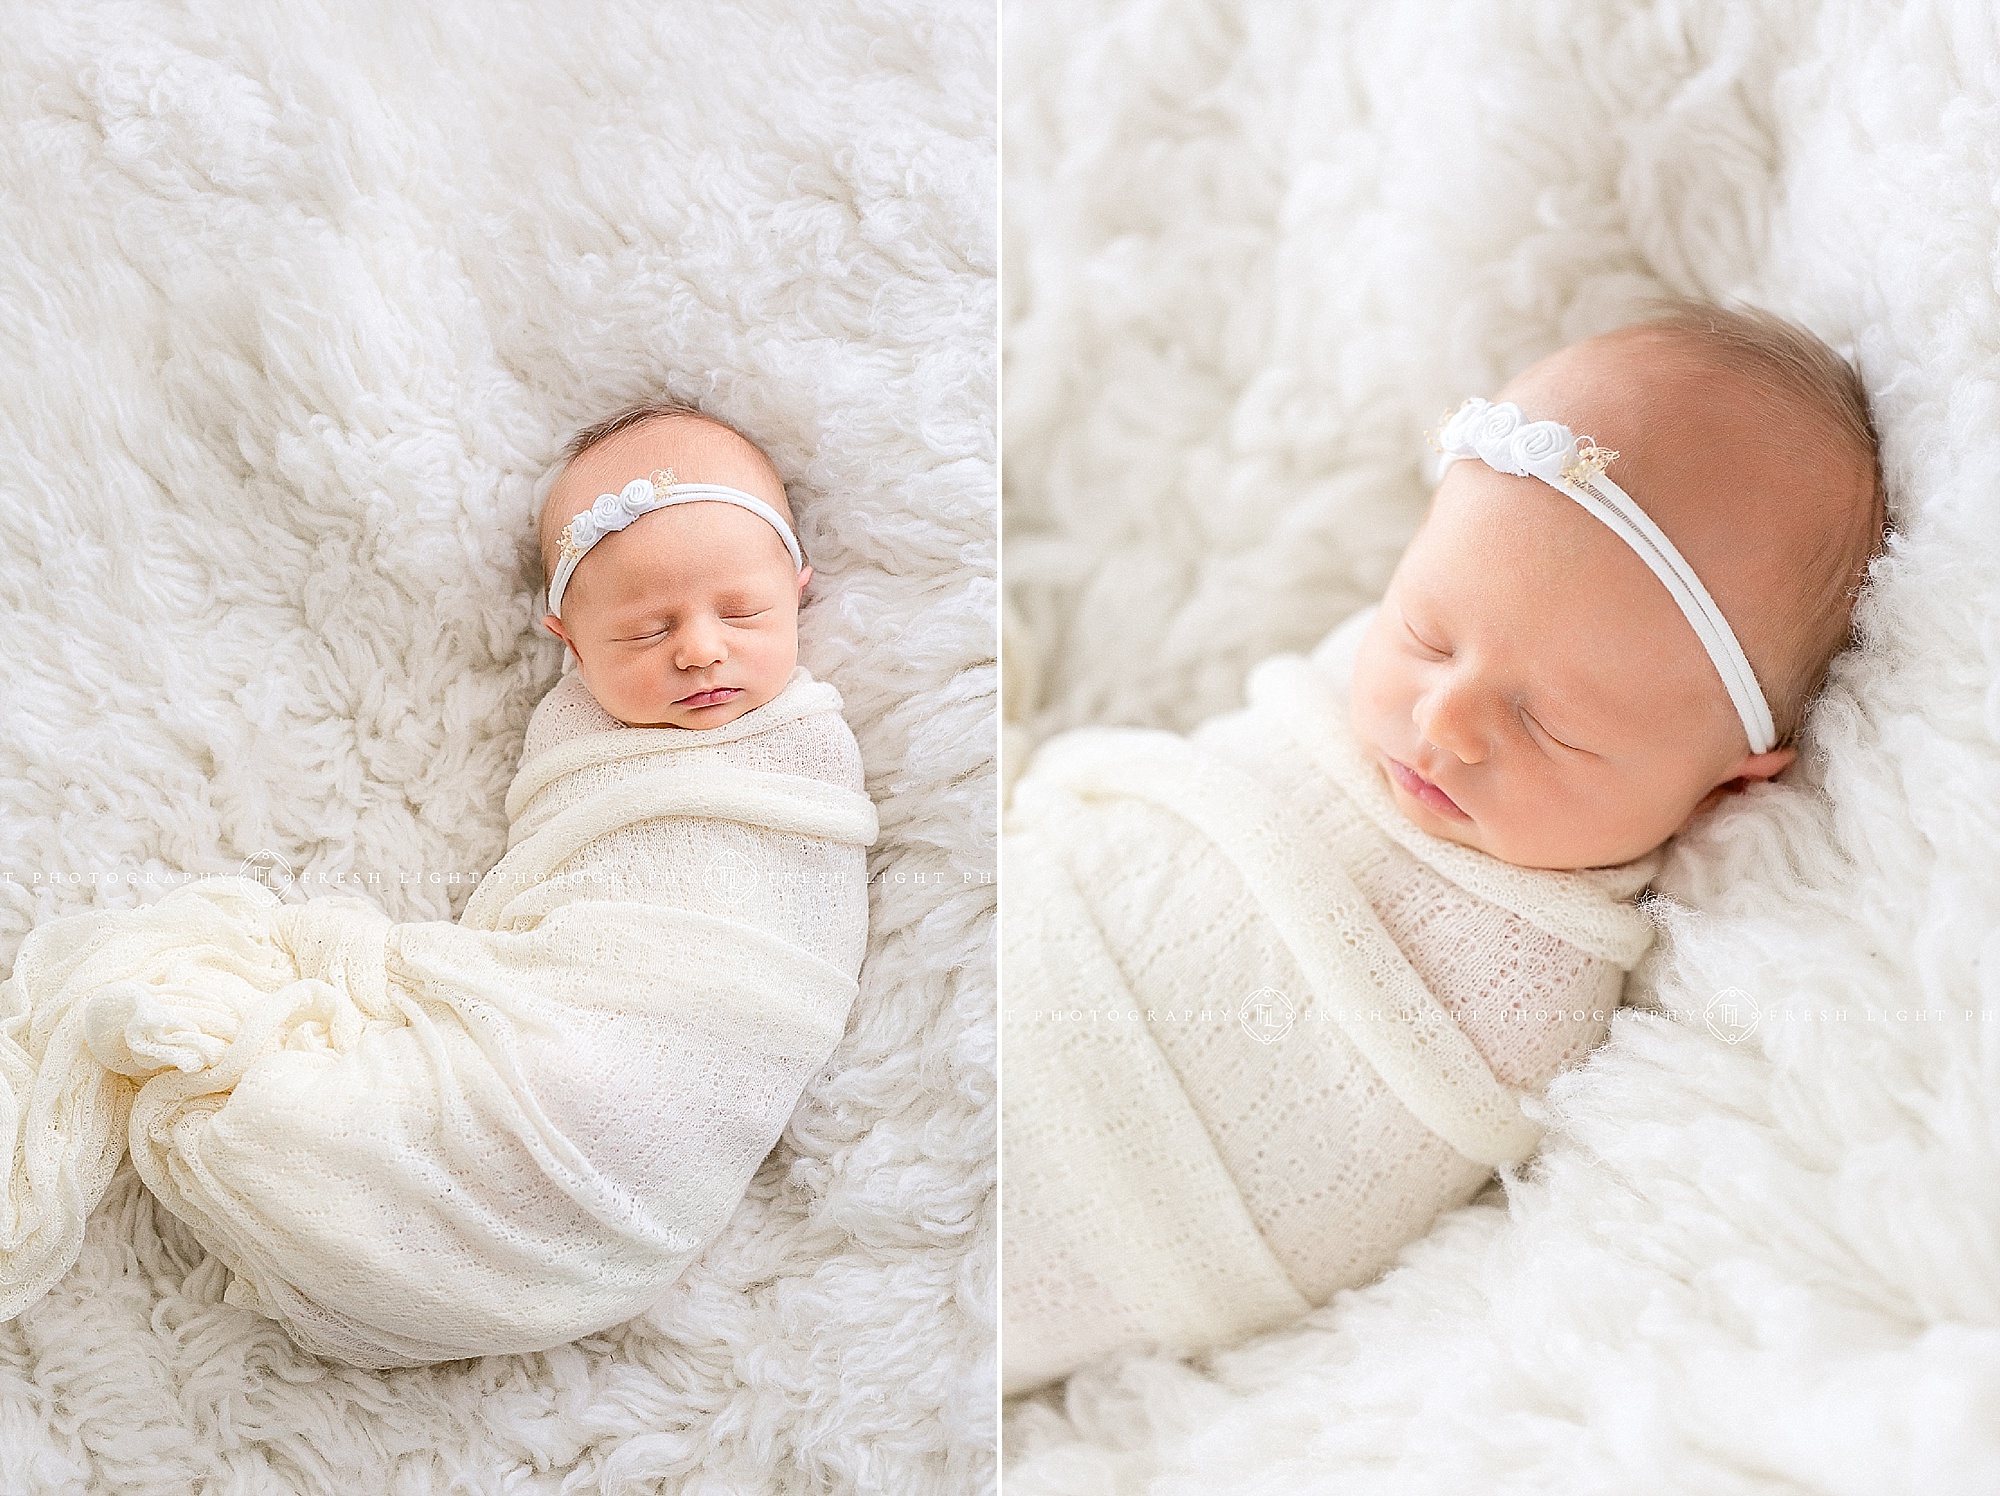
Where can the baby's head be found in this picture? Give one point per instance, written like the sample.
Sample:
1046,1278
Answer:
688,616
1529,665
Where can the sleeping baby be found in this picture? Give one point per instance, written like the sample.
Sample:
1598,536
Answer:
417,1142
1276,991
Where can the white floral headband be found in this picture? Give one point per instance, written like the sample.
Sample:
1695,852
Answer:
614,511
1501,438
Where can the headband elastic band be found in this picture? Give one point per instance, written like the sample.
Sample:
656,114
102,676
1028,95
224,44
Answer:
614,511
1501,438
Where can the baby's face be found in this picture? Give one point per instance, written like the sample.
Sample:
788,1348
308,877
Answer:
1528,687
688,617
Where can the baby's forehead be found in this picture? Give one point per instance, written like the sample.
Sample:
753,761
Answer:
704,546
1733,470
1514,567
1607,386
695,448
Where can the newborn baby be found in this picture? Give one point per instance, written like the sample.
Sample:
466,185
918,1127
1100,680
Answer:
1276,991
417,1142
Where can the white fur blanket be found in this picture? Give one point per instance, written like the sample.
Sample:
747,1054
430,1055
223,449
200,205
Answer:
300,304
423,1141
1253,251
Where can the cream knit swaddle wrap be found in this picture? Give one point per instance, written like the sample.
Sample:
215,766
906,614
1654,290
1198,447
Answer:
1260,1029
416,1142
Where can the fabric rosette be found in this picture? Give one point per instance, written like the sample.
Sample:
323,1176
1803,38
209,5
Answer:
611,511
1502,438
614,511
1494,426
1539,450
1478,426
635,499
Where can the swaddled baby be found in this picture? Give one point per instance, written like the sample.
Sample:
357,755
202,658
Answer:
415,1142
1276,991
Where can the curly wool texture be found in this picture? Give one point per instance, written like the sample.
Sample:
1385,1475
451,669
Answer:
420,1142
302,306
1256,253
1259,1029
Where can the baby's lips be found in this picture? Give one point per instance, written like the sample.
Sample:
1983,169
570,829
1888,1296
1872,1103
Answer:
1420,788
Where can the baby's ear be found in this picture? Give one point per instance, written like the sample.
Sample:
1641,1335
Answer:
1753,770
1767,765
805,576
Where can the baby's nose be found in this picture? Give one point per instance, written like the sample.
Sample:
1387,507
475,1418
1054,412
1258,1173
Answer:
700,645
1448,719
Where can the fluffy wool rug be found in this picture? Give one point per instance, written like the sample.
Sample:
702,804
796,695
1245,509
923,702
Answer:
1250,253
298,303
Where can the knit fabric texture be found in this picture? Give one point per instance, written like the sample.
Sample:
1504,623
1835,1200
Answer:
419,1142
1260,1028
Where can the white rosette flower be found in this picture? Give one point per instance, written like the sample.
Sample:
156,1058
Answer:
636,499
583,531
606,512
1492,428
1462,434
1539,450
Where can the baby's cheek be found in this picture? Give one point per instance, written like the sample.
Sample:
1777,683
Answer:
1370,699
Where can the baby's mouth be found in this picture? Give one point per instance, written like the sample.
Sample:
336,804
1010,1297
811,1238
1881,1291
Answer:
712,697
1419,788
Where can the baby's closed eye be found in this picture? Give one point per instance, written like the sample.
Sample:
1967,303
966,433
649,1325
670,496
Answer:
1529,717
735,613
1422,642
